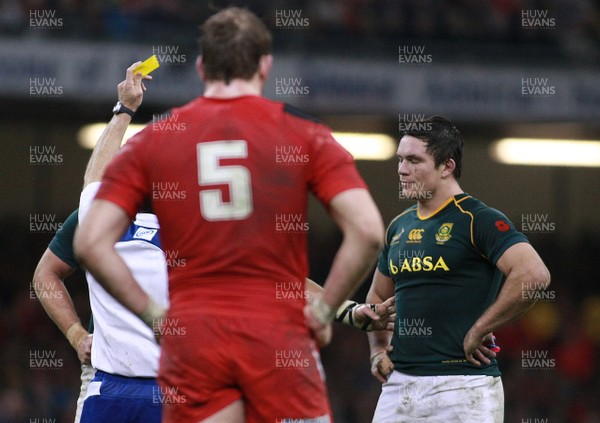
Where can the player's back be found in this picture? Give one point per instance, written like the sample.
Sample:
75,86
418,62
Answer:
123,345
229,182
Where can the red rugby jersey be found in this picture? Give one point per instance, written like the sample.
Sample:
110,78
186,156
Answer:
228,180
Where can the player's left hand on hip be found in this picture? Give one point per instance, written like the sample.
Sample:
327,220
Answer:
476,348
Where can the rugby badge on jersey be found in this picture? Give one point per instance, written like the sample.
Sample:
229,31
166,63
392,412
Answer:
443,233
396,238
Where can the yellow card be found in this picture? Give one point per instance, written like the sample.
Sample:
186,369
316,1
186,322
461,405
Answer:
147,66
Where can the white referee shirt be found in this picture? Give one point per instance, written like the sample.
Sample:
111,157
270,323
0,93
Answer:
123,344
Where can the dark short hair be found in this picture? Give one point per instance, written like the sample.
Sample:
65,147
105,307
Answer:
232,42
443,140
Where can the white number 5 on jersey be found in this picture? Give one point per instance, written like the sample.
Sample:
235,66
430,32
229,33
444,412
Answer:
211,172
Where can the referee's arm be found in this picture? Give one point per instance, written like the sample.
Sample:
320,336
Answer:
131,92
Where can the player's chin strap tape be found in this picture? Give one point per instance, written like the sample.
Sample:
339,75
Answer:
345,314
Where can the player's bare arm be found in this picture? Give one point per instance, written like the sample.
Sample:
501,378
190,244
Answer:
524,270
356,214
131,92
379,342
53,295
368,317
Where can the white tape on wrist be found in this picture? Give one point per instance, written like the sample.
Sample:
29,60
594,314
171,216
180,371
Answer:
75,334
345,313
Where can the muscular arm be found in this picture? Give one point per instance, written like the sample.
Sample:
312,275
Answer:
379,342
52,293
526,274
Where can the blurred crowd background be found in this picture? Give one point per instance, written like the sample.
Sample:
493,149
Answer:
564,328
364,23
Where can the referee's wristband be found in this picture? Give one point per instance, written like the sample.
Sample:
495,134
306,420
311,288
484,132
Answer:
152,313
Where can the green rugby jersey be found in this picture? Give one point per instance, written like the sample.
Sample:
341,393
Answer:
62,243
444,274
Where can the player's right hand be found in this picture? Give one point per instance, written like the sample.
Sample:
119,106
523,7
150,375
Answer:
131,90
381,364
381,316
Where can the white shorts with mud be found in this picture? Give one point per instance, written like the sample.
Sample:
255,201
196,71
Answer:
448,399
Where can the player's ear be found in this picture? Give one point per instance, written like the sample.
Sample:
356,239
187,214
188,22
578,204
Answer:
448,168
264,66
200,67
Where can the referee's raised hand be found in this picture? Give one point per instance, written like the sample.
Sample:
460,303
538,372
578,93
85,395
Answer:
131,90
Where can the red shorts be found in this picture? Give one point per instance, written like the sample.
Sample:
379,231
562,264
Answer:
213,360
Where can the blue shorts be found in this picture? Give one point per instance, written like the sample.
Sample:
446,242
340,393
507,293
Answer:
112,398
